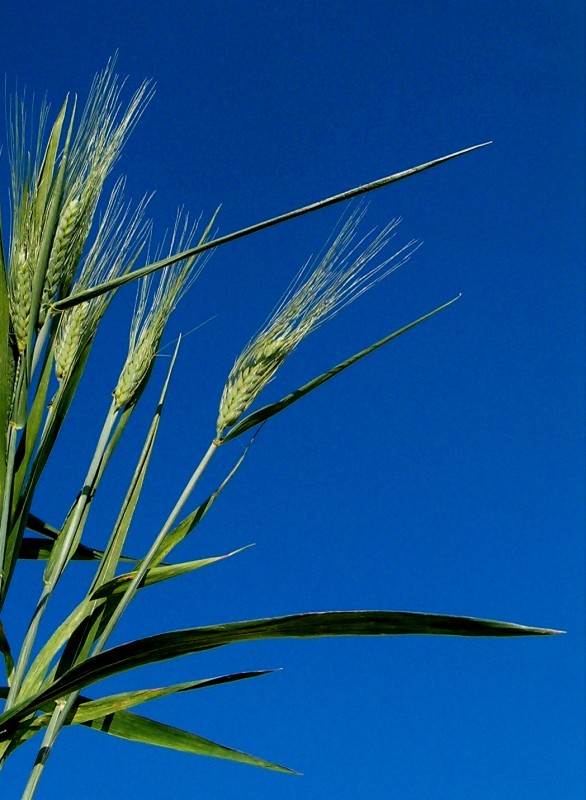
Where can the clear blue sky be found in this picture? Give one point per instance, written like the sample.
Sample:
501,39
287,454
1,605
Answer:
444,474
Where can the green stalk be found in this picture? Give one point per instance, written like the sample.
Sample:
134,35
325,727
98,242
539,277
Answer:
62,710
61,552
147,560
42,756
14,425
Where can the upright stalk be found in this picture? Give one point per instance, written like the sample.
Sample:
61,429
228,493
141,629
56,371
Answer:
64,546
64,707
14,425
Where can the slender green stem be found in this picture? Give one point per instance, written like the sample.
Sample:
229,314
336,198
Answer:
43,754
7,502
62,709
147,560
63,549
14,426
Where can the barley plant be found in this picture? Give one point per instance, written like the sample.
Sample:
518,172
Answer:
68,250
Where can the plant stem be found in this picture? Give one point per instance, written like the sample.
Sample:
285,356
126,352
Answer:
65,546
14,426
147,560
43,754
63,708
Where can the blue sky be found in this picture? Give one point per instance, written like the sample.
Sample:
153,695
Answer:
444,474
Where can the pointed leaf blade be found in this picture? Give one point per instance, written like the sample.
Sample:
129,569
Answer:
88,294
88,710
119,584
135,728
165,646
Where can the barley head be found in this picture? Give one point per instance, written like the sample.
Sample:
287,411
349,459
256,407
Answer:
334,281
121,235
148,326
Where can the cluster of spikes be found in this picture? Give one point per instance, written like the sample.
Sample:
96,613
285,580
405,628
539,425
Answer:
58,248
69,250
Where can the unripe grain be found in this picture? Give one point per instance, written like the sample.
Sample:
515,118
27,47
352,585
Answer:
62,253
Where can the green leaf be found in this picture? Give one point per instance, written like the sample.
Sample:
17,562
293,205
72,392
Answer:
88,710
113,551
165,646
141,729
7,366
31,430
80,297
108,716
59,408
71,628
6,654
83,553
48,167
33,549
260,416
157,574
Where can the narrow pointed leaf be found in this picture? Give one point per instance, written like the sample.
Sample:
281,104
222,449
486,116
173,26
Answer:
48,165
136,728
33,549
157,574
117,539
165,646
95,291
71,627
264,413
6,654
83,553
88,710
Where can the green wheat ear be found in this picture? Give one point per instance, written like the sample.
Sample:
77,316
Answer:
149,321
318,293
120,237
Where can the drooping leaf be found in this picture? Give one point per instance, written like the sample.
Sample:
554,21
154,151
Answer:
264,413
165,646
83,553
34,549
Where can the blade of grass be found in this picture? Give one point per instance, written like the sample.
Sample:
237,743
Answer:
157,574
35,549
111,558
178,534
87,710
136,728
6,654
75,299
165,646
